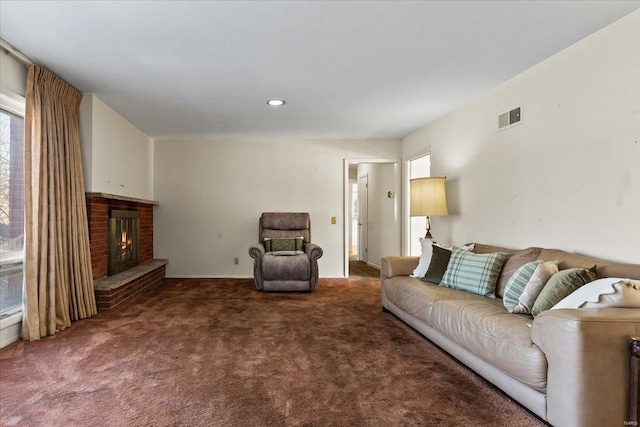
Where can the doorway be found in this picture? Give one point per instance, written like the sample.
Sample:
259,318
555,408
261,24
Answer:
378,230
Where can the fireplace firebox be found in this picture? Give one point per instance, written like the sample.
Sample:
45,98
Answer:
123,243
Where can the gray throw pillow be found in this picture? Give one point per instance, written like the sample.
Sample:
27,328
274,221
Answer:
437,266
560,285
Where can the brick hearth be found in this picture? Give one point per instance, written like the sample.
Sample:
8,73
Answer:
116,289
99,206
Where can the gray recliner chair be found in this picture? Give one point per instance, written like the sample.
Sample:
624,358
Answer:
285,259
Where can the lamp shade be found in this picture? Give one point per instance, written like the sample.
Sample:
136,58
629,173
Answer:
427,197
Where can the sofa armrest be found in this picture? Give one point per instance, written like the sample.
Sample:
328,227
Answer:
587,352
392,266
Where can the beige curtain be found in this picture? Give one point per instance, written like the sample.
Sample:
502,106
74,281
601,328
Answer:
58,284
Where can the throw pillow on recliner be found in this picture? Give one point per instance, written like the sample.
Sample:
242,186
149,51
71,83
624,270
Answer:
283,245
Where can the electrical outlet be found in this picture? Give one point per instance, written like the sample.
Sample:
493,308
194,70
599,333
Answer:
236,260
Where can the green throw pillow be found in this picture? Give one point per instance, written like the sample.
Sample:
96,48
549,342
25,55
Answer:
283,245
560,285
475,273
517,283
437,266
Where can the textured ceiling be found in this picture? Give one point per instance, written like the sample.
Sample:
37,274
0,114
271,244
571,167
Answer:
197,69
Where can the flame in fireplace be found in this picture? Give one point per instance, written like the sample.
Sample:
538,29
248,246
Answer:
125,245
123,240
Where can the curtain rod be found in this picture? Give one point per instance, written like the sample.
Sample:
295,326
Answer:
15,53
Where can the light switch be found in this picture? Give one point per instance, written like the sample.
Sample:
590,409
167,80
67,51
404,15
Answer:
333,220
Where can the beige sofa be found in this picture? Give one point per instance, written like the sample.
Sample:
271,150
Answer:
568,366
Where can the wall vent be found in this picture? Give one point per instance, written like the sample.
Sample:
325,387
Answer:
510,118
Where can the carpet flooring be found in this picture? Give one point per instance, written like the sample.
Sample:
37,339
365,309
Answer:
360,269
215,352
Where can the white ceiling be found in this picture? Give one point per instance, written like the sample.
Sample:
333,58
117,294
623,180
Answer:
351,69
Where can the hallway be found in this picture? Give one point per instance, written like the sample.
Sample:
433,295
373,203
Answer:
361,269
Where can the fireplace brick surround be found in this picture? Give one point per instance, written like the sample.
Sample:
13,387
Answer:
114,290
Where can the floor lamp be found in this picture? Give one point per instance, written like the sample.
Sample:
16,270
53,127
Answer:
427,198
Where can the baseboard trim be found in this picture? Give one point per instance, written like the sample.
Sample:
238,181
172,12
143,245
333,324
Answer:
10,329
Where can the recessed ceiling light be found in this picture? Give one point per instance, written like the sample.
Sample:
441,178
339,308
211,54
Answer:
276,102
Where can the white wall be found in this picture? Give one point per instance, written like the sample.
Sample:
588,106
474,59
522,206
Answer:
384,224
212,193
568,177
117,156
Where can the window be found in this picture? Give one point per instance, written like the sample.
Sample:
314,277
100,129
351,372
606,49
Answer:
419,167
11,212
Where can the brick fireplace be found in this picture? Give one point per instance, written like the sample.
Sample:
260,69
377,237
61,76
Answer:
112,290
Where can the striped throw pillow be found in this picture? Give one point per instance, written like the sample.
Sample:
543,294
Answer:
475,273
517,283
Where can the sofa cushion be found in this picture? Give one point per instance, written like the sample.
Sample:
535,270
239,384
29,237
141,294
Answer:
475,273
518,283
416,297
561,285
487,330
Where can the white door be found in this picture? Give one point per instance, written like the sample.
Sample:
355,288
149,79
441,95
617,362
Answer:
353,230
363,206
